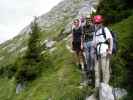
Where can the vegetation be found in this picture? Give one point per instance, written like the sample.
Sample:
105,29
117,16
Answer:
121,63
115,10
32,62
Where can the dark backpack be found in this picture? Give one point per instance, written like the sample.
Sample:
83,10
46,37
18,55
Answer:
114,36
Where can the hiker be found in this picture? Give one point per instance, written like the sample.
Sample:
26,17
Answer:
103,46
88,34
77,44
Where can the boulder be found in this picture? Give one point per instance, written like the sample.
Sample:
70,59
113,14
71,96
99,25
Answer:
92,97
105,92
119,93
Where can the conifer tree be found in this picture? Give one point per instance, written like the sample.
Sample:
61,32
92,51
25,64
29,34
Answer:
33,52
31,63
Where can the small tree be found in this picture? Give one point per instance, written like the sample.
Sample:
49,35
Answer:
31,64
33,52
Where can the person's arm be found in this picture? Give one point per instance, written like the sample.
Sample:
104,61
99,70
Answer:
109,50
72,38
110,40
82,38
82,41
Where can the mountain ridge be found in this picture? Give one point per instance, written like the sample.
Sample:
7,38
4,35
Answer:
57,21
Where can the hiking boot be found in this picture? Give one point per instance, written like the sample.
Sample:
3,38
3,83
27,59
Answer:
85,67
79,67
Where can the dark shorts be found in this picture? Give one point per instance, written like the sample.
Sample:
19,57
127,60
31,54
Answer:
76,46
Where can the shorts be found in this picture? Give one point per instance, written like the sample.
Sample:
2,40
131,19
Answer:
76,46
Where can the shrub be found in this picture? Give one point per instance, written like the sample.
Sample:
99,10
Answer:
8,70
115,10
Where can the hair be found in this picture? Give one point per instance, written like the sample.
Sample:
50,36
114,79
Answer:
76,20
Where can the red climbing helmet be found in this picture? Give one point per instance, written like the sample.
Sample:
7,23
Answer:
98,19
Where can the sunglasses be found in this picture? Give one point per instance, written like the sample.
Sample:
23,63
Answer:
76,22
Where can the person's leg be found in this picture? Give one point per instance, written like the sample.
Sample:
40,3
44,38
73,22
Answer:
78,59
85,53
76,47
91,63
107,77
86,67
81,59
92,56
105,69
86,72
97,72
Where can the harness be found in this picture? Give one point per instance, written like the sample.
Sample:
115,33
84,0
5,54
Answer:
100,43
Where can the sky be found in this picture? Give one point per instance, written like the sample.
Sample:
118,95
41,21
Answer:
16,14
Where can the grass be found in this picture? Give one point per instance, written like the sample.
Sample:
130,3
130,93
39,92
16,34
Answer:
59,82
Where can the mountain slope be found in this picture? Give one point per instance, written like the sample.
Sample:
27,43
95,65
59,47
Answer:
54,24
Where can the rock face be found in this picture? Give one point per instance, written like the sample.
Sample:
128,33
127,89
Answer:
20,87
63,14
105,92
119,93
92,97
50,43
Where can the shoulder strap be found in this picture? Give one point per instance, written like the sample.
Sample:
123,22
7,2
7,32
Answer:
103,31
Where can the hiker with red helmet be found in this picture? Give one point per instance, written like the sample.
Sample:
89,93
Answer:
103,46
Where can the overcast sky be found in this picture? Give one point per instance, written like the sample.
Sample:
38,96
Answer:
16,14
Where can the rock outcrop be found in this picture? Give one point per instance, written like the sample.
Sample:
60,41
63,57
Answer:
107,92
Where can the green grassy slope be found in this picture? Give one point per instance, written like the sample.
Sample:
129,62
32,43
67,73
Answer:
58,82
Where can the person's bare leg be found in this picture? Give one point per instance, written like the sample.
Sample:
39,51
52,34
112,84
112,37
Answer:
77,57
82,59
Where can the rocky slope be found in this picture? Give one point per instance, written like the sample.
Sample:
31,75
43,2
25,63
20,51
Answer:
54,24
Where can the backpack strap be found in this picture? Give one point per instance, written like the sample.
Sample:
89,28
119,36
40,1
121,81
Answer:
103,33
100,43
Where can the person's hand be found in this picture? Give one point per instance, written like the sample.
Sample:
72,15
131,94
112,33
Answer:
82,47
109,51
94,45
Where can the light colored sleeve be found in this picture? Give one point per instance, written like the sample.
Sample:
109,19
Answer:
108,34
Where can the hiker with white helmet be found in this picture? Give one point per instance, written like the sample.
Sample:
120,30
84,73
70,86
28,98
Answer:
103,46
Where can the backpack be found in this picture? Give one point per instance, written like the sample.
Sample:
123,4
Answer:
114,36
